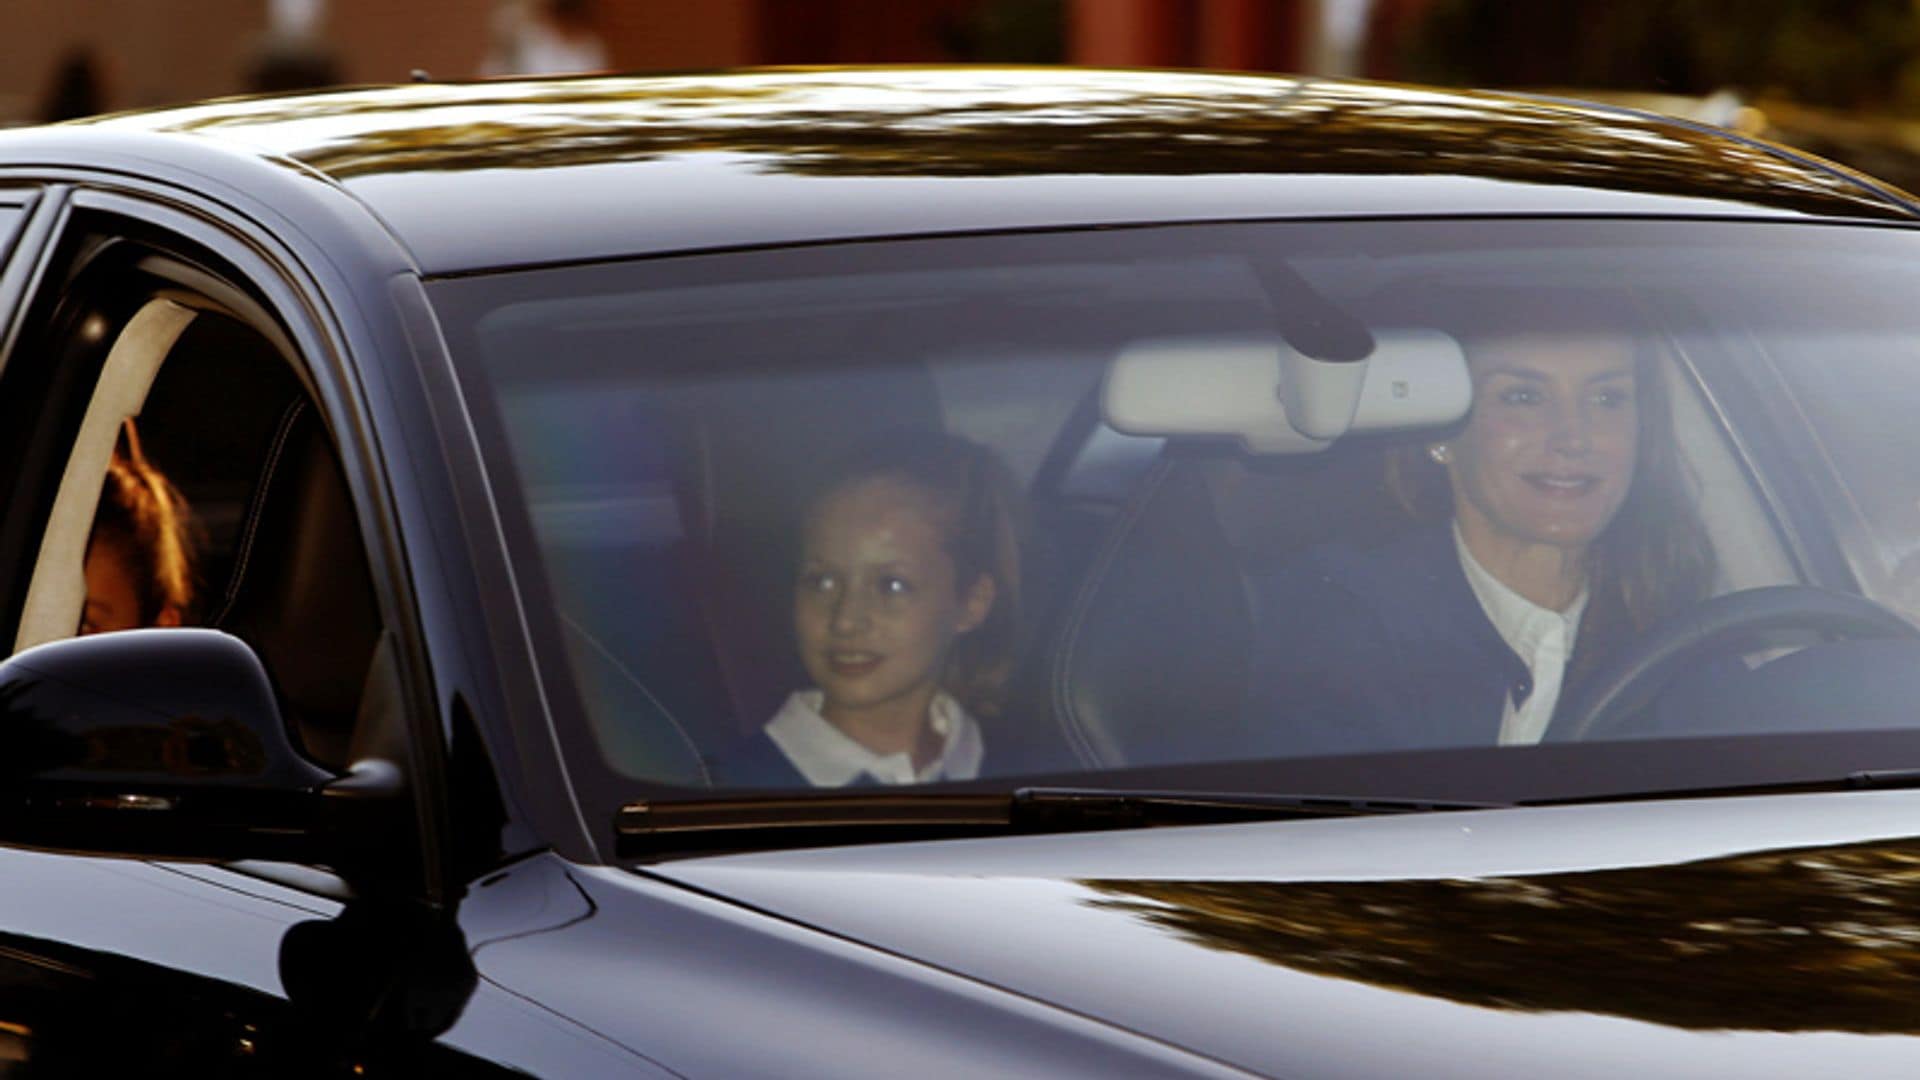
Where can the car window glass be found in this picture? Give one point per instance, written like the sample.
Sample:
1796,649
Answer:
209,393
284,567
198,422
1862,432
10,218
58,592
673,431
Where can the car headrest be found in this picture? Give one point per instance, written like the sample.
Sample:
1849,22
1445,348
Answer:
301,591
1150,664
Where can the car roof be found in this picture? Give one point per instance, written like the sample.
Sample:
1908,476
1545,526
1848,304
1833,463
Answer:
480,175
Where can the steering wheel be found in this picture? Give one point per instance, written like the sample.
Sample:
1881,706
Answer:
1744,621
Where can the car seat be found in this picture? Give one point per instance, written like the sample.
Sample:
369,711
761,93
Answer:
1150,662
301,590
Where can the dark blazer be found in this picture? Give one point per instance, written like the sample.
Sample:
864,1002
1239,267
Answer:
1383,649
757,761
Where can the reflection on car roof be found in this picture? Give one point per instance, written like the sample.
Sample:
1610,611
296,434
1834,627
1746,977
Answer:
650,164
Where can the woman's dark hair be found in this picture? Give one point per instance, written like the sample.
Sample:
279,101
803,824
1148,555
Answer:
1653,558
149,521
983,523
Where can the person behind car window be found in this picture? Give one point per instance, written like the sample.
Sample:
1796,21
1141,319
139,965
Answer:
1565,528
905,611
141,555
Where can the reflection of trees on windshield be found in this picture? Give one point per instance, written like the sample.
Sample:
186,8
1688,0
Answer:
1824,939
1006,124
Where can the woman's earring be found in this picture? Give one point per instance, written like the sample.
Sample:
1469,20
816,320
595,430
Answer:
1440,454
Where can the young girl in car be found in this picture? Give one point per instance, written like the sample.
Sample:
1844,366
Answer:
904,612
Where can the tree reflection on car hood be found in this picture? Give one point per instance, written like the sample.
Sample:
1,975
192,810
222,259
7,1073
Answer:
1762,936
1697,945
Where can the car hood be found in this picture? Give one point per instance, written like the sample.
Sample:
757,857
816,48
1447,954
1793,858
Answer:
1733,936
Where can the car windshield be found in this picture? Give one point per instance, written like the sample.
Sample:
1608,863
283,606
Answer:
1123,503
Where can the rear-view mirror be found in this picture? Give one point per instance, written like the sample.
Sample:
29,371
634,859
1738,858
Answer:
1277,400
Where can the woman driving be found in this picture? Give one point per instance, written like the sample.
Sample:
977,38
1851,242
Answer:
1559,524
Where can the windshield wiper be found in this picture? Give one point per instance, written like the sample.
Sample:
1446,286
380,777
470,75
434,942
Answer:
682,826
1860,780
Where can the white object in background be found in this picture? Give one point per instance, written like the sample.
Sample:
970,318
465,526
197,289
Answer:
295,20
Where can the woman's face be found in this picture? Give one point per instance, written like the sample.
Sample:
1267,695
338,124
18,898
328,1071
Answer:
876,606
1549,452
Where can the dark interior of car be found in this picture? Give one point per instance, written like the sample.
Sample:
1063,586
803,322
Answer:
671,567
284,568
686,618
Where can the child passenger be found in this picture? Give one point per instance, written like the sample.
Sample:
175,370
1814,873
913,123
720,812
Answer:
140,558
904,613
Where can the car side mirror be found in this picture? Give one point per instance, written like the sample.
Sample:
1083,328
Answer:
153,743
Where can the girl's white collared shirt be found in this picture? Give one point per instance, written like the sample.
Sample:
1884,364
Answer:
827,757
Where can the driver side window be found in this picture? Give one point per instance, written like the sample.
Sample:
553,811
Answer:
198,484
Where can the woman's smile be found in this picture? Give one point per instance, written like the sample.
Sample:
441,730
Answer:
1563,485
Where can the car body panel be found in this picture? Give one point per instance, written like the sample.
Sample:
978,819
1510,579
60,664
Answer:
1675,938
672,163
192,954
709,989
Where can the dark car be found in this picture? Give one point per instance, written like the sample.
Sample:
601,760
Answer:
954,572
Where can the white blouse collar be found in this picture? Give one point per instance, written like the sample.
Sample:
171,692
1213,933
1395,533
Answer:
1519,620
828,757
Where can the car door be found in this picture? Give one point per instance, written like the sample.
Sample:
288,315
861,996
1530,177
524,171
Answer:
142,311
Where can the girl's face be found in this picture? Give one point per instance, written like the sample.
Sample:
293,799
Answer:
1549,453
877,606
113,590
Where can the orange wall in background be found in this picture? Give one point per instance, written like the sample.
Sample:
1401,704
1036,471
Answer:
384,41
164,51
1243,34
677,35
381,41
153,52
853,31
1127,33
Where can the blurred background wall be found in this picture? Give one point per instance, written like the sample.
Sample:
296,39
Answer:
151,52
1840,76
